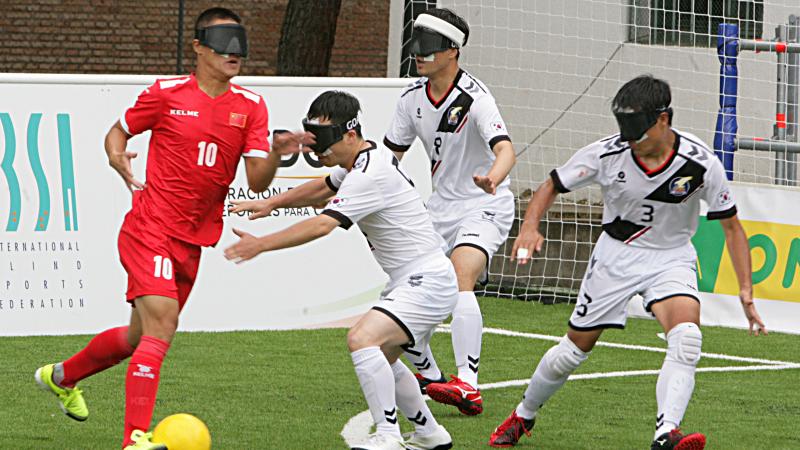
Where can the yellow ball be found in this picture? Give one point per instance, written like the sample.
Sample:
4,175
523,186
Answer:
182,432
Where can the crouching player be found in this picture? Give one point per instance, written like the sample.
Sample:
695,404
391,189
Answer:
652,177
372,191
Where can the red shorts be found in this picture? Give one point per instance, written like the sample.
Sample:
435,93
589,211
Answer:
157,264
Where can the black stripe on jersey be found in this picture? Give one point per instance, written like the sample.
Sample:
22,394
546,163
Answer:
621,229
615,152
680,185
344,221
649,306
474,80
695,151
496,139
716,215
666,163
329,182
395,147
613,146
596,327
557,182
456,114
365,152
400,323
412,89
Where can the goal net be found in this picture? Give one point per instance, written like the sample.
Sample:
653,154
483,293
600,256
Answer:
553,67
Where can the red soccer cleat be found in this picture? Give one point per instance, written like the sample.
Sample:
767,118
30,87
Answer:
424,382
675,440
509,432
458,393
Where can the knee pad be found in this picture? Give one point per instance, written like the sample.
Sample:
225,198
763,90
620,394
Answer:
467,305
564,358
684,343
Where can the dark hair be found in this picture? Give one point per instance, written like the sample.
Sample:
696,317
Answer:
644,93
336,106
212,14
453,19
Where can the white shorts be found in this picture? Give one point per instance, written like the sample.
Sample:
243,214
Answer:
616,272
421,300
483,226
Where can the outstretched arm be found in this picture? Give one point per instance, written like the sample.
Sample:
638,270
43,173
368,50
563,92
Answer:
310,193
261,171
503,163
739,250
529,239
300,233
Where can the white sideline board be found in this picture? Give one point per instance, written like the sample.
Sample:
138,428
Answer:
65,276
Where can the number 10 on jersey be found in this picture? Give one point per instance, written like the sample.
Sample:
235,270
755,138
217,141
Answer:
206,154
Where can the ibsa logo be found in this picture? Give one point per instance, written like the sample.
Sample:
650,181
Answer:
68,196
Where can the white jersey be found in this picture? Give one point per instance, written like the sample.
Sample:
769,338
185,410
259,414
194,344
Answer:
458,132
656,208
378,196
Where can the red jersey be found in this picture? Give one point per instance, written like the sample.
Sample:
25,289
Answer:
195,147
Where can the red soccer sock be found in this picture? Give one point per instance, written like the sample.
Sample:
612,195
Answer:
141,384
105,350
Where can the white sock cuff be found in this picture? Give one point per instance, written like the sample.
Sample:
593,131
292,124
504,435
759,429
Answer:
467,303
365,354
399,369
567,343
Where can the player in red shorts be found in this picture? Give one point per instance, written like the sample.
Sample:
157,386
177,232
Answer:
201,126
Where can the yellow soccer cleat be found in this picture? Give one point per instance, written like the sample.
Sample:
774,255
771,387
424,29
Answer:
70,400
141,441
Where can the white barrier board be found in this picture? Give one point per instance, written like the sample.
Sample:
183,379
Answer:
61,207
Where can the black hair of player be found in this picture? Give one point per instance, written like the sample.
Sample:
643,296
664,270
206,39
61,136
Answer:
212,14
644,93
453,19
336,106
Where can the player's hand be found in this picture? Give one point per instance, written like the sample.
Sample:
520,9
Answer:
289,142
485,183
756,324
121,162
258,208
247,248
528,241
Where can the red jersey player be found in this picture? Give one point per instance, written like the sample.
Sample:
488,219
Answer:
201,126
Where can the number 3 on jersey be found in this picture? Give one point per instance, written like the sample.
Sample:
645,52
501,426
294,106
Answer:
206,154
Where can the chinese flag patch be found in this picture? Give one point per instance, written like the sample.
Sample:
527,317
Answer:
237,120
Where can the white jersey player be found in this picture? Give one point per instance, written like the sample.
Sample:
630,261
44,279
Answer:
456,119
652,178
371,190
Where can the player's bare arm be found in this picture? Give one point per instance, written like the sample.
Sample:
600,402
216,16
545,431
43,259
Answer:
119,158
250,246
503,163
261,171
736,240
310,193
529,239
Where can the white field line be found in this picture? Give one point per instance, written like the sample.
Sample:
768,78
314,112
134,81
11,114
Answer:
360,425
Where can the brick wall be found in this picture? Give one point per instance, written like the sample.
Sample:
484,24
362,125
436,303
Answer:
139,37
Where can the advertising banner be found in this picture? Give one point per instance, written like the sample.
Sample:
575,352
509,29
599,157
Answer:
771,220
61,207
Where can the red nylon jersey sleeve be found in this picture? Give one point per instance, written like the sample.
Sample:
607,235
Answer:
256,143
145,113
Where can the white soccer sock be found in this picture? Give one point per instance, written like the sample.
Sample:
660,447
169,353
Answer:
410,400
676,379
377,381
466,328
552,372
423,360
